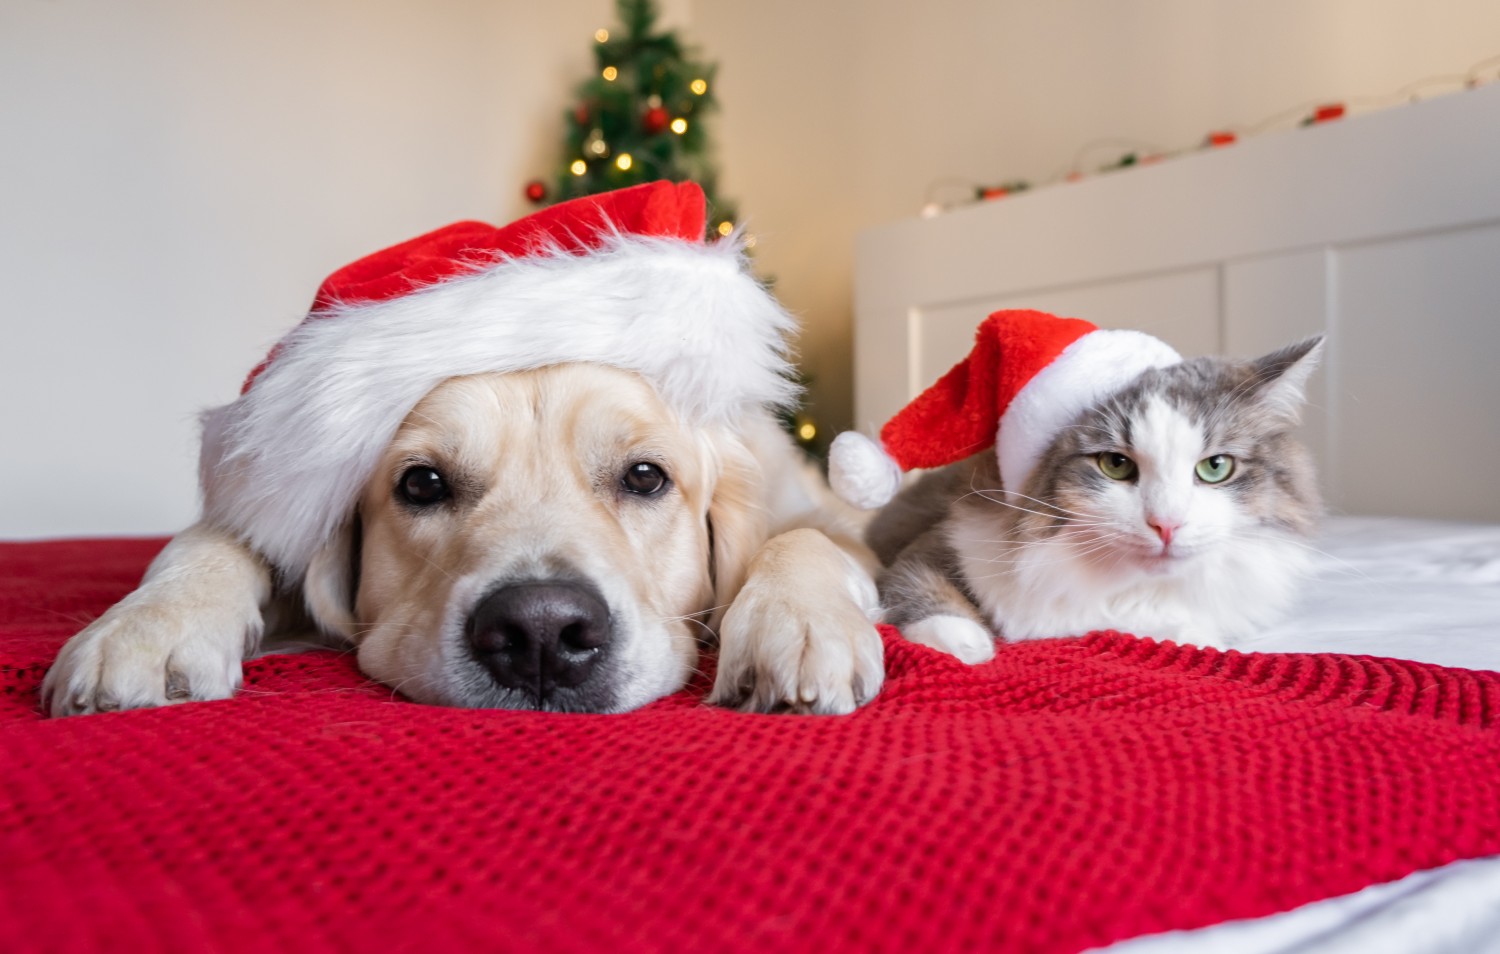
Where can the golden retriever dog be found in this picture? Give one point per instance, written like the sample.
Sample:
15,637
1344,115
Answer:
547,534
549,539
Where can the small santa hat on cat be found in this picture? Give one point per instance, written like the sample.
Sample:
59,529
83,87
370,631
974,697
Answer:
1028,376
623,279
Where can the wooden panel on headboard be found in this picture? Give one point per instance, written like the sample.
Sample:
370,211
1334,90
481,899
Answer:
1381,230
1415,402
1179,307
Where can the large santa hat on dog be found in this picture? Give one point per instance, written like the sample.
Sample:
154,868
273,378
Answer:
622,279
1028,376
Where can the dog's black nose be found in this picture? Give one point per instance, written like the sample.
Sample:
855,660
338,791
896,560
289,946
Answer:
540,635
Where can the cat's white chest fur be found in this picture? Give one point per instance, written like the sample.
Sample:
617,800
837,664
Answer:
1212,577
1047,589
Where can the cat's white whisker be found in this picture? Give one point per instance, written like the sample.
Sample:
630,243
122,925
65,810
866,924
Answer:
1061,515
1050,506
1073,551
1037,500
1344,566
988,491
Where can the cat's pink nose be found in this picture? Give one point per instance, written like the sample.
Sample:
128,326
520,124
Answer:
1164,529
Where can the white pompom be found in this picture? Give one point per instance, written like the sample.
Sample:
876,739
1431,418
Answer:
861,473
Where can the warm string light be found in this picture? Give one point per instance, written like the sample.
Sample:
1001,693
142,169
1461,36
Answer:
1141,153
579,167
624,161
679,125
601,35
807,431
610,74
725,228
699,86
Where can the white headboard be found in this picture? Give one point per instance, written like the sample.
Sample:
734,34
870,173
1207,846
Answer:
1382,230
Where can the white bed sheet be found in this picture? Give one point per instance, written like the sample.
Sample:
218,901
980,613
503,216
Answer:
1413,589
1409,589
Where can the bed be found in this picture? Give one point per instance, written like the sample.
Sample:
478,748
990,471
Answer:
1069,795
1381,231
319,812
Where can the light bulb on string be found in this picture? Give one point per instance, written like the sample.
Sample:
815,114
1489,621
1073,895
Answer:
601,35
624,161
699,86
579,167
726,227
611,74
679,125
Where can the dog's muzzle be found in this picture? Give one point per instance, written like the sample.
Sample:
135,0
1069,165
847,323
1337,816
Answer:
540,636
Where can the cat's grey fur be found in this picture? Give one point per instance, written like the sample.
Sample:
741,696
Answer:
965,560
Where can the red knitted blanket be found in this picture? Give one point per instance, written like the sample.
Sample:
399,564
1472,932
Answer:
1067,794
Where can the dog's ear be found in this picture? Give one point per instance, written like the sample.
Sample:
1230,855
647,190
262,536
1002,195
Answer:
737,520
332,580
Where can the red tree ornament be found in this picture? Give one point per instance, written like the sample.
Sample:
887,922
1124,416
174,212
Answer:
1329,112
536,190
655,120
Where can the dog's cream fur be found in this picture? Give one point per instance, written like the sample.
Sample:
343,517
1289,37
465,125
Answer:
742,543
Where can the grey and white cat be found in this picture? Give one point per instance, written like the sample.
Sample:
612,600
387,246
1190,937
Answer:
1176,508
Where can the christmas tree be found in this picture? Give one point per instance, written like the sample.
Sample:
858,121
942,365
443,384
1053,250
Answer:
640,117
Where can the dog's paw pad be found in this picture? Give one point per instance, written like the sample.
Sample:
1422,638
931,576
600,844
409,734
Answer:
178,689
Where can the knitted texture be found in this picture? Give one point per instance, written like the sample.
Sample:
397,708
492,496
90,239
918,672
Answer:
1067,794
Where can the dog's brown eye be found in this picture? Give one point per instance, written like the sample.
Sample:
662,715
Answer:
423,487
645,479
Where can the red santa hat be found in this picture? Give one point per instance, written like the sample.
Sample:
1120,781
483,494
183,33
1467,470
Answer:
623,279
1028,376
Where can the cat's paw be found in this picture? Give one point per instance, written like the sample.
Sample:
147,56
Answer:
799,636
954,635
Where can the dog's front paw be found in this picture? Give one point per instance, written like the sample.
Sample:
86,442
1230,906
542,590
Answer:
954,635
799,636
150,651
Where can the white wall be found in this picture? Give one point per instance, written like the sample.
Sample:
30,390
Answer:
839,114
176,177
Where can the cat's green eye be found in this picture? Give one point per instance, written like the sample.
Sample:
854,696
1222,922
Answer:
1116,466
1215,469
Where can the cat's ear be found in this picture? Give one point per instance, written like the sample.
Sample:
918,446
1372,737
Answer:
1279,379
